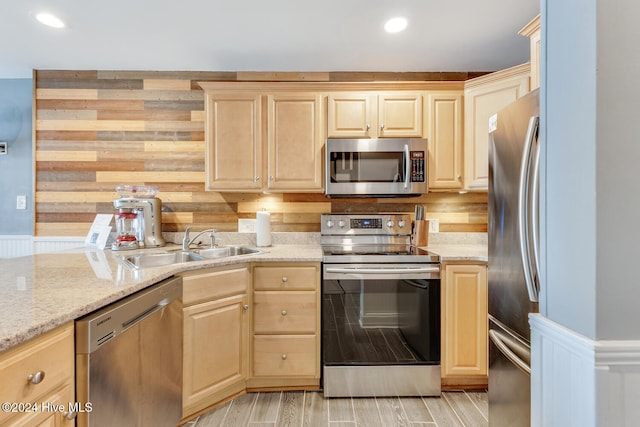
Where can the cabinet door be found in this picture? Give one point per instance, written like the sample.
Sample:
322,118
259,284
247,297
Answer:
464,321
295,142
444,130
484,97
400,114
233,133
351,115
215,352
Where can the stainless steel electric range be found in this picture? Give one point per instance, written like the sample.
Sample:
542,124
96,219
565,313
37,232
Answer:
380,308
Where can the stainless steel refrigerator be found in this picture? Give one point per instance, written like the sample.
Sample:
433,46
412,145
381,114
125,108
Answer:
513,261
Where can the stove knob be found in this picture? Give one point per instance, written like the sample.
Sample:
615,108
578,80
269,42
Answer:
390,223
341,224
401,223
329,223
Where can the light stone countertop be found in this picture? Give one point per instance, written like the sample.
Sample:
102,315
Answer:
43,291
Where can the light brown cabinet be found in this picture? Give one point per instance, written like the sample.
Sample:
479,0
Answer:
443,120
295,141
374,114
216,336
38,378
483,97
286,326
464,325
532,30
258,141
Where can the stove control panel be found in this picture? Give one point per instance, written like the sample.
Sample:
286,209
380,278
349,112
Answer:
365,224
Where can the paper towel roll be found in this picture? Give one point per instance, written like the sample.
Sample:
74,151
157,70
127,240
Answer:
263,228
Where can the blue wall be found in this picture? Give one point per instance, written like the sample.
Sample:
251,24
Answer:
16,176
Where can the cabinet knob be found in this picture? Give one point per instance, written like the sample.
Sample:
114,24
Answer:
246,306
36,378
270,177
381,126
368,126
284,279
284,357
70,415
256,179
284,312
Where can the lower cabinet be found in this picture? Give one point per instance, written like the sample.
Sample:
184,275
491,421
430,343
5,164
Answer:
286,326
216,336
37,380
464,325
247,327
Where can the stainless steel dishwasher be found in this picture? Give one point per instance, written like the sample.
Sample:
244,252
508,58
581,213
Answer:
129,360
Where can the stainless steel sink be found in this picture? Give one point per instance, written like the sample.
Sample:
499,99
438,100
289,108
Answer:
226,251
145,260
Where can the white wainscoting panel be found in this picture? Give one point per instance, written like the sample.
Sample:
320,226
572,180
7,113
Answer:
576,381
12,246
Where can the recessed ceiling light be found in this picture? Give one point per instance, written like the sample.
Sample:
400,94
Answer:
395,25
50,20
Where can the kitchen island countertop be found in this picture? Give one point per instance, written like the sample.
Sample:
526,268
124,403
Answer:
41,292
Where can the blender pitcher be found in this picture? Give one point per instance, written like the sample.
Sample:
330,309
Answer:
127,228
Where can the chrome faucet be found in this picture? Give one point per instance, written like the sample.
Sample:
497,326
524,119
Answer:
186,242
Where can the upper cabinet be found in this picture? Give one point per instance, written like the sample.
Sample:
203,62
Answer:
233,149
443,123
532,30
294,142
374,114
485,96
259,141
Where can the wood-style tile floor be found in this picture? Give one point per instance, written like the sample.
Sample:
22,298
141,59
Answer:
298,408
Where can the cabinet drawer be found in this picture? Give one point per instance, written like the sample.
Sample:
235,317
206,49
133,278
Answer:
281,278
284,312
214,284
51,354
282,355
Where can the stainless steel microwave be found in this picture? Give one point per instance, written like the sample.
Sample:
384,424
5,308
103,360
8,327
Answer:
390,167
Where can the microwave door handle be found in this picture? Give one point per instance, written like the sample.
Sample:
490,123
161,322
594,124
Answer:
407,167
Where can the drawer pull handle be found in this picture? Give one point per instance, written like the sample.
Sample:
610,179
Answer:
284,312
70,415
36,378
284,279
245,307
284,357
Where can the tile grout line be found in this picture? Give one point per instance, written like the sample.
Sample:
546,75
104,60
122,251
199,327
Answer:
429,410
476,406
444,396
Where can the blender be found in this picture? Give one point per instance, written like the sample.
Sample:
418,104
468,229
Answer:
139,218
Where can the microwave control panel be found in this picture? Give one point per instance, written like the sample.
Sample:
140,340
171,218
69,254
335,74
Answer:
417,166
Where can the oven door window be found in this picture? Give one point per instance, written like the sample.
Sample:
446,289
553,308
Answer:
373,167
381,322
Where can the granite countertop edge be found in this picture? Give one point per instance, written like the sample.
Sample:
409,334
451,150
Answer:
39,293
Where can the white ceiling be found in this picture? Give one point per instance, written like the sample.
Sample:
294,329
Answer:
257,35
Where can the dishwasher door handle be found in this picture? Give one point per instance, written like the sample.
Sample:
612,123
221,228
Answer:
141,316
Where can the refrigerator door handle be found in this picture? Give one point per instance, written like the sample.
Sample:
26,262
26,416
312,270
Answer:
524,206
535,211
504,344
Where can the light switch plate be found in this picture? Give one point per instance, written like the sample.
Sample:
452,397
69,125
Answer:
434,225
21,202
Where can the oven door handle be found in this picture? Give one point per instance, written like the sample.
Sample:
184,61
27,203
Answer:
382,270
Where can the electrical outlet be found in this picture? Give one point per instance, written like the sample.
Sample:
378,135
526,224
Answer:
246,225
434,225
21,202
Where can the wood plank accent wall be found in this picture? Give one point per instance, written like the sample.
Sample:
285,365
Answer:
98,129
